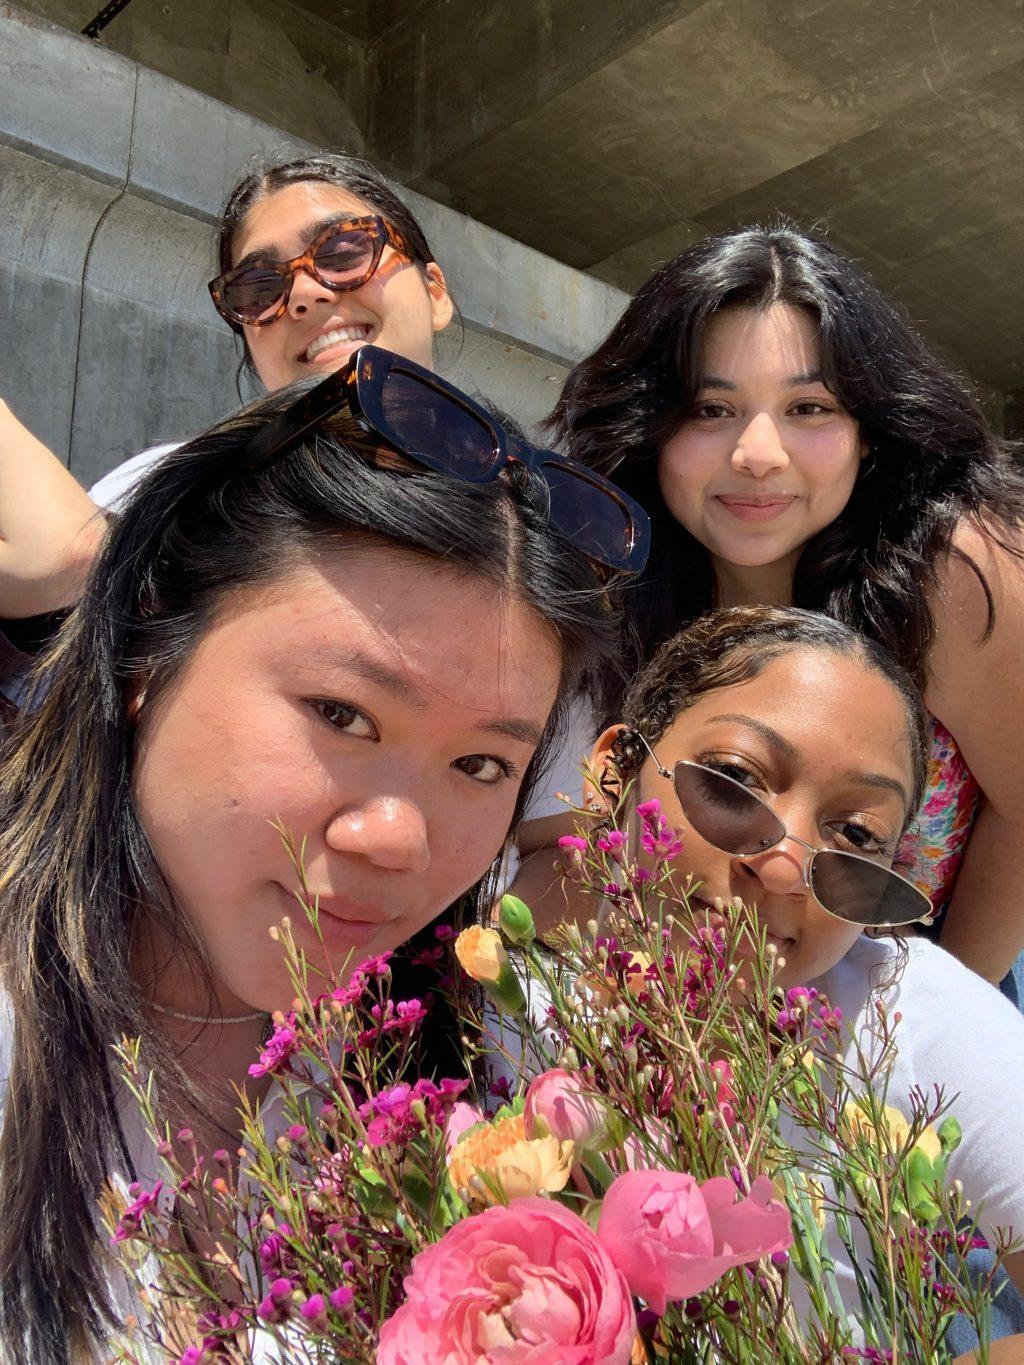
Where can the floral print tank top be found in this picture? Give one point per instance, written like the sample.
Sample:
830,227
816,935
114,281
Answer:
934,844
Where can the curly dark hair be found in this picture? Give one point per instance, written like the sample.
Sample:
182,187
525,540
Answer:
733,645
934,459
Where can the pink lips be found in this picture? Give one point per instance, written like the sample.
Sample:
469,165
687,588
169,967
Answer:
754,509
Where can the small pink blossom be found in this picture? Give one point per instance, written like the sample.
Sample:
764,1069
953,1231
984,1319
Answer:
527,1284
280,1046
558,1102
673,1238
130,1221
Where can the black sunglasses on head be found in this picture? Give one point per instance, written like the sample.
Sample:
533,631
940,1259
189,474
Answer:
436,425
849,886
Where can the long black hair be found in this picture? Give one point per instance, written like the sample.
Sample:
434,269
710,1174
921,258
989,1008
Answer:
78,877
933,459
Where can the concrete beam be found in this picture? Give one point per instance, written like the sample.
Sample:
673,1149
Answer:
429,99
105,249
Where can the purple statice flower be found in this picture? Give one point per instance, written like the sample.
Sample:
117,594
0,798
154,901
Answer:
282,1043
130,1221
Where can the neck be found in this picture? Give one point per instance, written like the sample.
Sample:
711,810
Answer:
760,585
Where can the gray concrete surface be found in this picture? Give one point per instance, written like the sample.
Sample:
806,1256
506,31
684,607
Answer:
111,176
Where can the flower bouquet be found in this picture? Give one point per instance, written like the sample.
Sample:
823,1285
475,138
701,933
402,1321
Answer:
654,1154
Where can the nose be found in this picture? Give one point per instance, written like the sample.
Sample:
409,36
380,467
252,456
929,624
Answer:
305,293
388,831
780,870
759,450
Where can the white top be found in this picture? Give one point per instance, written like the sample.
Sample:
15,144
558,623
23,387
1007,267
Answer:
115,487
563,772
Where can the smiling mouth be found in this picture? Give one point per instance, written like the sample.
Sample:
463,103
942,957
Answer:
755,509
357,332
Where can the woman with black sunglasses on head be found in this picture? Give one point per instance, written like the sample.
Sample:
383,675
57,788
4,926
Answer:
795,442
365,630
316,256
792,753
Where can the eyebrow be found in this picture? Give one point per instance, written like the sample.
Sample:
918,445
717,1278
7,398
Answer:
398,685
273,252
789,751
714,381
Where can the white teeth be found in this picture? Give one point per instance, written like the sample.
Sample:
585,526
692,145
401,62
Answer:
357,332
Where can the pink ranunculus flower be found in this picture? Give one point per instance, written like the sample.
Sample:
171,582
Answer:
564,1107
526,1284
673,1238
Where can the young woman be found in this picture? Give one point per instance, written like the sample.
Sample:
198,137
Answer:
785,730
292,620
795,442
316,256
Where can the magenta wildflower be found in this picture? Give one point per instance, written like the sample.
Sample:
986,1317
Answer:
130,1220
341,1298
377,966
572,843
279,1048
314,1311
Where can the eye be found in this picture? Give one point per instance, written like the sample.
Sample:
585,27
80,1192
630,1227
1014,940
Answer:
858,837
340,716
729,765
811,407
485,768
709,412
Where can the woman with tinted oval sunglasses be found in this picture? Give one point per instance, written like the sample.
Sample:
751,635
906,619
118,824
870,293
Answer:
791,753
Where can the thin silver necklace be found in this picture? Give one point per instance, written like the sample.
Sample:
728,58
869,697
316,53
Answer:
207,1019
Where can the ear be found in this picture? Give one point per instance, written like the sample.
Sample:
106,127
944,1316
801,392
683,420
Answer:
441,305
602,793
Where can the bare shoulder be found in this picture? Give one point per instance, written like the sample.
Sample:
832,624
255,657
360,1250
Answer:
981,576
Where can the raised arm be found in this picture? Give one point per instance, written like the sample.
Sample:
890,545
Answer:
976,689
50,529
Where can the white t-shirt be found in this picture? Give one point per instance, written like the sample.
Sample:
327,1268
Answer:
113,488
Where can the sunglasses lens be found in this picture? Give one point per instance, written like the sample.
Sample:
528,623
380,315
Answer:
597,524
253,294
864,892
724,813
345,257
435,429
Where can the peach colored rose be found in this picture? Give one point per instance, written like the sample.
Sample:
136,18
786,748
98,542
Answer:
529,1284
500,1156
673,1238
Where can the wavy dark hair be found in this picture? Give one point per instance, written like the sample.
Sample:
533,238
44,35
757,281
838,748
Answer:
934,460
78,877
734,644
351,173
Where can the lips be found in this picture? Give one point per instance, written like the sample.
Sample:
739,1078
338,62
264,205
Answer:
753,508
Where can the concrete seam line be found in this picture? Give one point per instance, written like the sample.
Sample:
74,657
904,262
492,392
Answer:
88,257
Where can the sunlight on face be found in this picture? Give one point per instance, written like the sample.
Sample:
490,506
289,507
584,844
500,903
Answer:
825,742
383,708
399,307
767,457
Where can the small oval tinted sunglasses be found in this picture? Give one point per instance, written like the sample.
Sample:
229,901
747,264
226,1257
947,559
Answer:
341,258
735,820
434,424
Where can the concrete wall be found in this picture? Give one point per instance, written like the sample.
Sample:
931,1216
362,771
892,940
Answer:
111,176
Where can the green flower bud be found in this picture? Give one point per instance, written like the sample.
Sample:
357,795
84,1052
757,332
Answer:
516,920
950,1135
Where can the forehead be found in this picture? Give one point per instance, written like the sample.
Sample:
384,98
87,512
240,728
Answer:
280,218
450,634
833,711
780,337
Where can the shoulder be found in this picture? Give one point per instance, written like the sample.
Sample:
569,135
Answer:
977,608
115,486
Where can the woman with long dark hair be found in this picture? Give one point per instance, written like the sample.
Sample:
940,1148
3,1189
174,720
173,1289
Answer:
316,613
796,442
